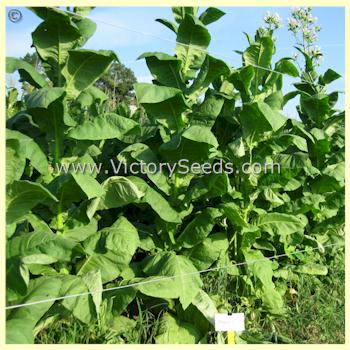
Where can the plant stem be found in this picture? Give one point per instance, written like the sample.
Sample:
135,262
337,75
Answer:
59,216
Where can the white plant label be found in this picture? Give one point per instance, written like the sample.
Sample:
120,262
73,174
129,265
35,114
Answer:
233,322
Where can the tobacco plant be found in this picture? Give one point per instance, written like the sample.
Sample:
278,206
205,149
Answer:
79,232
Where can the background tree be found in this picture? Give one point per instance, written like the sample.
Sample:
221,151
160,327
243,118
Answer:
117,83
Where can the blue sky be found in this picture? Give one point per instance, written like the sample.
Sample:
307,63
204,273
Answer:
227,35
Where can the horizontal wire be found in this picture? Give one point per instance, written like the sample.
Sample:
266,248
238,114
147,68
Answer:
321,46
169,277
175,42
279,49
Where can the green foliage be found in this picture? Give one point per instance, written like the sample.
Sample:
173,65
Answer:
70,233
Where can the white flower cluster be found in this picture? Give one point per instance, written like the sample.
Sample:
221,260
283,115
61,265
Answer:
314,51
272,20
303,23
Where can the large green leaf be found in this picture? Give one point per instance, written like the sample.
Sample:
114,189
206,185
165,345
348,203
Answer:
84,67
142,153
52,40
234,214
47,110
21,321
156,201
110,250
164,68
26,72
195,144
191,43
242,80
73,187
22,196
15,161
199,228
164,104
121,298
17,278
329,76
210,15
30,150
180,12
82,307
258,117
174,331
105,126
261,268
259,54
211,69
207,112
281,224
208,186
317,107
90,95
184,286
118,191
204,254
35,244
43,98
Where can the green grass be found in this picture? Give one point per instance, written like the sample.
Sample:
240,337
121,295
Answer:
315,314
120,330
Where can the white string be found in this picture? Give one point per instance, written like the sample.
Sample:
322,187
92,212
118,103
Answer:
168,277
279,49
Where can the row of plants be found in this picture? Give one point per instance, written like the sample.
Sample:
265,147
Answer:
70,233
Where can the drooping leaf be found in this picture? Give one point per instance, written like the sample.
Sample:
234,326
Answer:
15,161
103,127
34,244
26,71
164,104
211,69
52,40
22,196
142,153
174,331
199,228
169,264
172,26
84,67
156,201
210,15
281,224
204,254
30,150
261,268
164,68
258,117
119,191
191,43
110,250
21,321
